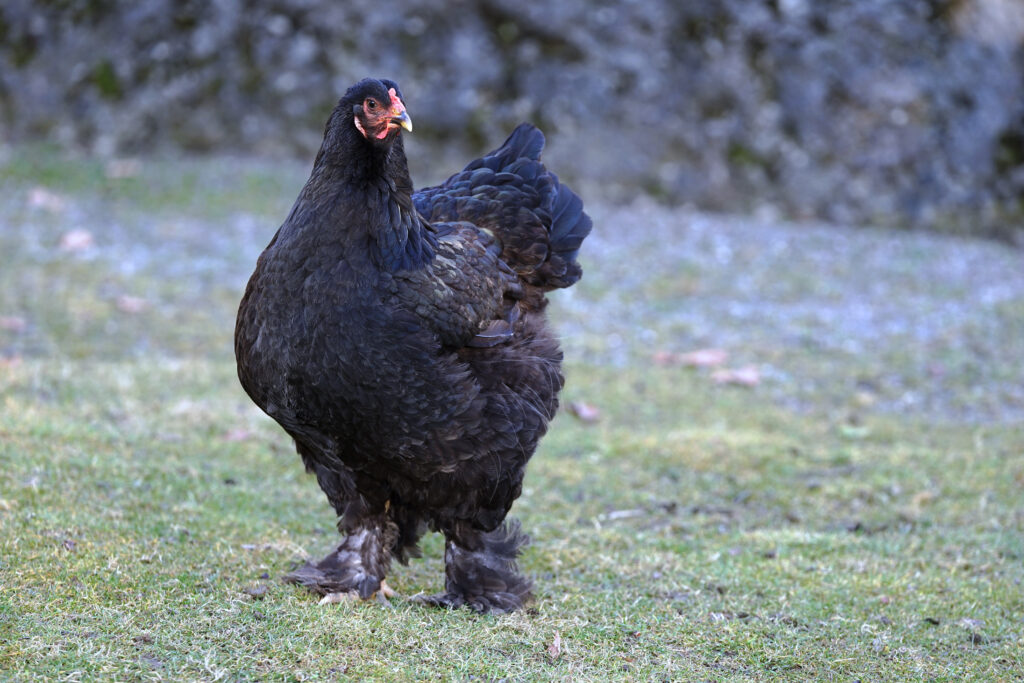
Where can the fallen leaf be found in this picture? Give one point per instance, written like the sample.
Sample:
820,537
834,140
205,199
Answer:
13,323
585,412
667,358
865,399
10,363
701,358
705,358
131,304
117,169
747,376
151,661
238,434
555,648
923,498
41,198
257,592
76,240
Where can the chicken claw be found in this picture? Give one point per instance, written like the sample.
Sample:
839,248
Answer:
382,594
333,598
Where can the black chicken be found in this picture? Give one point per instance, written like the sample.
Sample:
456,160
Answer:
400,339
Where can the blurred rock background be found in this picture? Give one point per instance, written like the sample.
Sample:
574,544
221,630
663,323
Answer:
896,112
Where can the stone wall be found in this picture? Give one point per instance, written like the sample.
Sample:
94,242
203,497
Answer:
907,112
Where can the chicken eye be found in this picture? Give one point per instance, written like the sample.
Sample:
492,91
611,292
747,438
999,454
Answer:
371,103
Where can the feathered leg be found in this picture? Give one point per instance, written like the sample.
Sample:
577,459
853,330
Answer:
481,571
375,532
358,565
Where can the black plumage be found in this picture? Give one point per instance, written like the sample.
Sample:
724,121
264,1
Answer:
400,339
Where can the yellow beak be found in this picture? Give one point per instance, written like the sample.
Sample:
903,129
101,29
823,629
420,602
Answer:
402,119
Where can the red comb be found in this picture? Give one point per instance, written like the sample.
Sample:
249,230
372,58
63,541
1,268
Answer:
396,104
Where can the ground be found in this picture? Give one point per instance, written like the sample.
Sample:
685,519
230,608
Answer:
847,507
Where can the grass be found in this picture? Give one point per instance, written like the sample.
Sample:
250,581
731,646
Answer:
696,532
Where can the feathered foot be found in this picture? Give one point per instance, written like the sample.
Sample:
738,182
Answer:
485,579
357,566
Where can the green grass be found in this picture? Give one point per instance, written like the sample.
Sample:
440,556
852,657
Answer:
695,533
